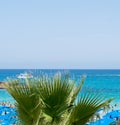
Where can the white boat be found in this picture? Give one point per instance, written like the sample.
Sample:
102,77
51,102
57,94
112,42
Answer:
24,76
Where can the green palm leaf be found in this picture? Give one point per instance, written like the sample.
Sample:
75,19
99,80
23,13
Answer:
55,93
76,90
28,104
87,105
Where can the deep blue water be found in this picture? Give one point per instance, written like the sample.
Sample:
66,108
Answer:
106,82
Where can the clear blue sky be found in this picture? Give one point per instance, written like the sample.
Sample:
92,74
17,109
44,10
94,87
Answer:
60,34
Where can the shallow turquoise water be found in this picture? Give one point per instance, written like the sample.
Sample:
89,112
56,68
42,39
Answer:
5,96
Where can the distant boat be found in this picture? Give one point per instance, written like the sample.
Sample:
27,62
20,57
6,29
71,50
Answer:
24,76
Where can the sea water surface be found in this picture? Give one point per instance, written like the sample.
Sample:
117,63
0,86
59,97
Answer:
105,82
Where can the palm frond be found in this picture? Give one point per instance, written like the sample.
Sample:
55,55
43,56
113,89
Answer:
28,104
87,105
76,90
55,93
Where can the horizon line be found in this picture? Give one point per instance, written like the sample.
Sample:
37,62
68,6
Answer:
59,69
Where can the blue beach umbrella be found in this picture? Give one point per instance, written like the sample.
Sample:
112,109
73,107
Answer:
7,115
105,121
113,114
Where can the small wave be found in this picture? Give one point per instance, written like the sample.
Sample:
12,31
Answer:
105,75
104,90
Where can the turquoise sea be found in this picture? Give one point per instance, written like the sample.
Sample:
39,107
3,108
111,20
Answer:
106,82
